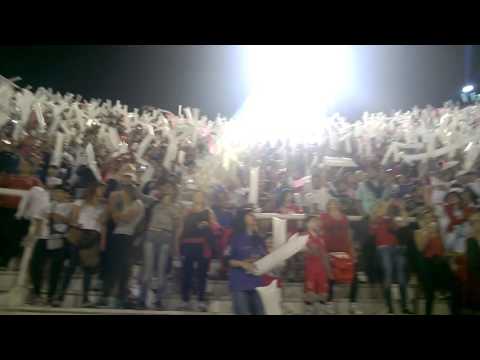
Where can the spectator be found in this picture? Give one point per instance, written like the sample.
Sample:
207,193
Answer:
435,271
86,236
37,209
245,248
392,254
193,245
127,211
53,247
369,193
162,222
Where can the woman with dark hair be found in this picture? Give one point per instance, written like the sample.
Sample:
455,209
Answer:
87,222
192,244
127,211
246,247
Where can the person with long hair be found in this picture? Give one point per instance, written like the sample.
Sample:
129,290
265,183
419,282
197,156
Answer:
192,244
127,211
338,238
87,222
161,224
246,247
435,270
392,254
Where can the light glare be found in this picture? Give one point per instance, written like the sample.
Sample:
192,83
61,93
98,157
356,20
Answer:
291,90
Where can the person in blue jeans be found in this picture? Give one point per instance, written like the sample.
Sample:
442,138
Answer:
245,248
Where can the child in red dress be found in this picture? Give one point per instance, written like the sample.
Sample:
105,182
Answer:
317,268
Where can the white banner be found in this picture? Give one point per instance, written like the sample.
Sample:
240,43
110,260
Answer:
253,193
278,256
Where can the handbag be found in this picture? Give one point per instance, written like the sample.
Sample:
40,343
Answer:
89,250
90,257
73,235
342,267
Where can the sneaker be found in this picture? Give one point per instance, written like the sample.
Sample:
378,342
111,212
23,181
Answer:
406,311
53,302
354,309
88,305
35,300
184,306
104,303
330,309
159,306
140,306
309,309
202,306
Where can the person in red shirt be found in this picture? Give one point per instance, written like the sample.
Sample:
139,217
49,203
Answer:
338,238
436,272
317,269
392,254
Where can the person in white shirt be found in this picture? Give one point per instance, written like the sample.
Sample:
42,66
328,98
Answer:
51,246
37,209
88,222
127,211
320,193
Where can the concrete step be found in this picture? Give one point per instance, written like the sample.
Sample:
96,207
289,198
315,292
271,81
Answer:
43,310
220,289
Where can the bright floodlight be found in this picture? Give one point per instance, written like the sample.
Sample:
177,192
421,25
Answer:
468,88
291,89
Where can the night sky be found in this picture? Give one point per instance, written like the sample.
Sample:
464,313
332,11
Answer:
213,77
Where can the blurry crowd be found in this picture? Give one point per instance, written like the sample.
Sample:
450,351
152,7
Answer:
366,219
403,228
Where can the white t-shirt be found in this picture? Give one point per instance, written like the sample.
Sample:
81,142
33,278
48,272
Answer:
38,207
90,216
55,241
128,228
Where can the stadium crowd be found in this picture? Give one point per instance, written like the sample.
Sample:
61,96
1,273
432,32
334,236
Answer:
393,222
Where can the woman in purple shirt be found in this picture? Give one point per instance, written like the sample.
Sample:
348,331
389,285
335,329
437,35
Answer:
246,247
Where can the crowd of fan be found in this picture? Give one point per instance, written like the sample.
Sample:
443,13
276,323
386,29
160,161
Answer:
392,223
409,228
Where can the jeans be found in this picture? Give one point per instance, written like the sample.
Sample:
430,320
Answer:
40,254
118,267
156,250
193,255
247,303
353,287
72,255
394,257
